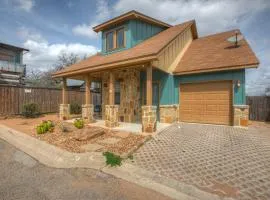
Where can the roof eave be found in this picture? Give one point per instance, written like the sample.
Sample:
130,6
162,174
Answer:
105,66
254,65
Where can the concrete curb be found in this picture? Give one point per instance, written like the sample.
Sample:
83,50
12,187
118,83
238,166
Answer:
57,158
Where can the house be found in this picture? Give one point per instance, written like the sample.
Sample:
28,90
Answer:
12,69
152,71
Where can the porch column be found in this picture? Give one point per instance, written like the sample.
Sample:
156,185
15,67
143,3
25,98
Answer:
149,85
88,108
111,110
149,112
64,91
64,112
111,89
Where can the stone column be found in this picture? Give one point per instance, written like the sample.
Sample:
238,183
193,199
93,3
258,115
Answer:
169,113
149,119
64,112
240,115
111,116
88,108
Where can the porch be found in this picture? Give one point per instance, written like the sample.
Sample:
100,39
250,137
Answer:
127,102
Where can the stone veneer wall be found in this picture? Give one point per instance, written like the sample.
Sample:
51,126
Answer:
169,113
88,112
64,111
149,119
129,94
240,115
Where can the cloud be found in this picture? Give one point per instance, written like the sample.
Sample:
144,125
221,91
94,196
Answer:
84,30
211,16
25,33
102,13
44,55
25,5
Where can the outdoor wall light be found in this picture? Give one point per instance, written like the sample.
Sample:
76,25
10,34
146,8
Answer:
238,83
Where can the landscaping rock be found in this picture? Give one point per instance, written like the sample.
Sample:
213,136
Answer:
88,133
67,127
91,147
122,134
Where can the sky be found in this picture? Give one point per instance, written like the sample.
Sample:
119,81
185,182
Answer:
51,27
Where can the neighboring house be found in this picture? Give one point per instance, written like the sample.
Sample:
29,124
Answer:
12,69
152,71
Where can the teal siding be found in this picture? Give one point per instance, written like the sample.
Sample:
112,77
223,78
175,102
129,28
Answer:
136,31
166,81
140,31
169,84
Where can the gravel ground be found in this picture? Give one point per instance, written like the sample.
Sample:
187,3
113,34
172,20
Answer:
23,178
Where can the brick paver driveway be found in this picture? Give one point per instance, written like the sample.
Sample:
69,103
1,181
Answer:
227,161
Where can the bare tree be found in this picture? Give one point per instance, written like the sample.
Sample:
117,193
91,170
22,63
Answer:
38,78
65,60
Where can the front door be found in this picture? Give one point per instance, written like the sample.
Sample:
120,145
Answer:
155,100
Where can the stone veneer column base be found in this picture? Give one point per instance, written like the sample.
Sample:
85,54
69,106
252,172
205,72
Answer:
88,112
240,115
149,119
169,113
111,116
64,112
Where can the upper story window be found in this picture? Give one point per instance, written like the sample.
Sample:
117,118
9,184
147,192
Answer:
120,34
109,41
115,39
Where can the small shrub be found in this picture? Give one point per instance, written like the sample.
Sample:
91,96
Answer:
112,159
79,123
44,127
31,110
75,108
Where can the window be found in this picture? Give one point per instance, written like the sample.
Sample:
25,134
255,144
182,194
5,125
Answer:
109,41
117,93
115,39
120,38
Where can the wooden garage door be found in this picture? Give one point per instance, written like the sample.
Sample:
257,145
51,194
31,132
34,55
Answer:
209,102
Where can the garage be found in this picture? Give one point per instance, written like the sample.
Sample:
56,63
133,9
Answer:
206,102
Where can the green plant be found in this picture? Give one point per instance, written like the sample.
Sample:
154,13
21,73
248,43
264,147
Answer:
112,159
44,127
79,123
30,110
75,108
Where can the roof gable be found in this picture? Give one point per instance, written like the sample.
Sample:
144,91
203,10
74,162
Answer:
127,16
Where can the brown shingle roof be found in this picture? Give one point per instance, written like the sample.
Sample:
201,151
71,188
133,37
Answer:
146,50
214,53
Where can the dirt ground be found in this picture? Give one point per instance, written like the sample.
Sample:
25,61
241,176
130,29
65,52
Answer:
69,141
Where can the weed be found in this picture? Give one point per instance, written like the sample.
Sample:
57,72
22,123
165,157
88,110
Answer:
112,159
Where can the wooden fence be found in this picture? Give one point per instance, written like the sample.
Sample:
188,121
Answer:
13,98
259,108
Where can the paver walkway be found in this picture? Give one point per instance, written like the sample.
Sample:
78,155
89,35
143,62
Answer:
227,161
